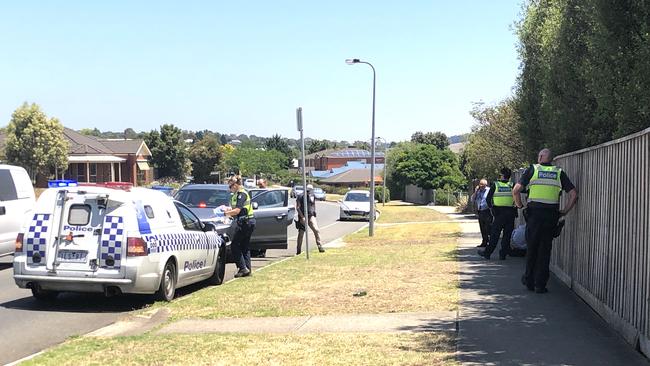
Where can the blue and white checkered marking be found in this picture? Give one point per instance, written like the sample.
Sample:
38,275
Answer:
181,241
36,238
112,241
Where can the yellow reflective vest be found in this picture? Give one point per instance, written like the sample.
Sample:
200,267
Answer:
247,204
502,196
545,185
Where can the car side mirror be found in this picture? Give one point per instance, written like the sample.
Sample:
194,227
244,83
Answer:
3,210
207,226
255,205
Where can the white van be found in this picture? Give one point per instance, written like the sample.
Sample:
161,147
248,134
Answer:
16,202
114,238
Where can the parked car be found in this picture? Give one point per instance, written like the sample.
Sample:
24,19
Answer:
355,205
249,183
296,191
319,194
114,238
16,202
271,209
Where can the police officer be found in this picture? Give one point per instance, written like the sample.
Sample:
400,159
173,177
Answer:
501,203
545,183
241,211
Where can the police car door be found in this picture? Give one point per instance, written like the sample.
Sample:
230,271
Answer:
77,234
195,255
271,220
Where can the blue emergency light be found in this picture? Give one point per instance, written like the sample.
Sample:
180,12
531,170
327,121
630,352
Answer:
61,183
165,189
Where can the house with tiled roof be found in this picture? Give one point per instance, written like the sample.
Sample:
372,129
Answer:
95,160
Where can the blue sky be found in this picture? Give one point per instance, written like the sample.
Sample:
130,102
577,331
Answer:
244,67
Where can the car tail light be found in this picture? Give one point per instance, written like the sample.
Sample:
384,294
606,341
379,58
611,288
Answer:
19,243
136,247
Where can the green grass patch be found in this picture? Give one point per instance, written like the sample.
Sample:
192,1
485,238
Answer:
409,259
256,349
396,212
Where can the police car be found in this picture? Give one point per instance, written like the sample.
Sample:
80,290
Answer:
114,238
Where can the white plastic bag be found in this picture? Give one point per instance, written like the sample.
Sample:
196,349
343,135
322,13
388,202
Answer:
518,240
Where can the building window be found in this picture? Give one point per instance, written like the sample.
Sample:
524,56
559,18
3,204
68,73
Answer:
93,172
81,173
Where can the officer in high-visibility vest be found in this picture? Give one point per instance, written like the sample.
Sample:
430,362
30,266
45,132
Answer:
545,183
241,210
502,204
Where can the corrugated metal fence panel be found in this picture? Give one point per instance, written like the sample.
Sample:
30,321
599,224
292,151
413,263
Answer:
604,247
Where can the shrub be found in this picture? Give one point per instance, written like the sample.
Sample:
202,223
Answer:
379,196
445,198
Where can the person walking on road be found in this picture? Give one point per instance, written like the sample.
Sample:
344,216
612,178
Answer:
241,211
484,216
545,183
311,218
501,202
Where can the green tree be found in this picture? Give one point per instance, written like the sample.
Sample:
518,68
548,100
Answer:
437,139
249,162
36,142
317,145
422,165
204,155
585,75
495,141
277,143
90,132
363,145
130,133
168,151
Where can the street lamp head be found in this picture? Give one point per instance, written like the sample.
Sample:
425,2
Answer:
352,61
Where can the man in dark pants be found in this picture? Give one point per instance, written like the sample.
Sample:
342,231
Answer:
501,203
484,216
545,184
242,213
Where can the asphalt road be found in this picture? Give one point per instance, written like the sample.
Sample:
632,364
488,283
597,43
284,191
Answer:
28,326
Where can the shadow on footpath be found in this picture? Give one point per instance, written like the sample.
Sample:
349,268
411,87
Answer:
502,323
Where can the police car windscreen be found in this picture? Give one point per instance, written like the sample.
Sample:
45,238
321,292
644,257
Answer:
203,197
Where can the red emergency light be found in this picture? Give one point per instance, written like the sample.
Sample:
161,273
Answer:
125,186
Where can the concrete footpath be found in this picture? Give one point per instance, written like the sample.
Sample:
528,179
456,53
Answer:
502,323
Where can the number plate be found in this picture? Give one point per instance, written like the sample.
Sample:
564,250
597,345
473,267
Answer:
74,256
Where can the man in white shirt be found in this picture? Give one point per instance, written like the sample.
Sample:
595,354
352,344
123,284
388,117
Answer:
484,216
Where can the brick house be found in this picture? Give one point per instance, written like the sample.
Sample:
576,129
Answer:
95,160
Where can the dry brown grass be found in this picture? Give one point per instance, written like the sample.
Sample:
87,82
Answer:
406,268
257,349
396,212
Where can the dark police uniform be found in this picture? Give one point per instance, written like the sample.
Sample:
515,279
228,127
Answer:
545,183
502,204
244,225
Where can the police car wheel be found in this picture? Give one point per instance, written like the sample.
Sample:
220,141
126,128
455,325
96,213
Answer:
219,269
44,295
167,288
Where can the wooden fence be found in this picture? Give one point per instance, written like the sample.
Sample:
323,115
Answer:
603,253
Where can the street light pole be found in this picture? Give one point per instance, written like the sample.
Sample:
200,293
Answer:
383,191
371,226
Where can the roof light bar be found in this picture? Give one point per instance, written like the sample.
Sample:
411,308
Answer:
61,183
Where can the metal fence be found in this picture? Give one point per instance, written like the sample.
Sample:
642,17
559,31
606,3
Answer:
603,253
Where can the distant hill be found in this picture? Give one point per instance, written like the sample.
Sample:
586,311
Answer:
458,138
